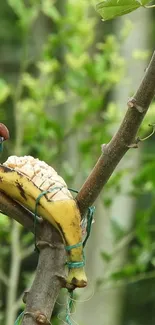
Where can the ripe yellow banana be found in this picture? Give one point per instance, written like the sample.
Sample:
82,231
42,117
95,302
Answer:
24,179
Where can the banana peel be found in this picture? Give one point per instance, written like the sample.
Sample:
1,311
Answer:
19,179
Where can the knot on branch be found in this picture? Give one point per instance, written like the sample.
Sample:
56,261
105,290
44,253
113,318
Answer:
104,148
132,103
41,244
39,317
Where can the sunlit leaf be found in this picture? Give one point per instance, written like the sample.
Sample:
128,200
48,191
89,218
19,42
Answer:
109,9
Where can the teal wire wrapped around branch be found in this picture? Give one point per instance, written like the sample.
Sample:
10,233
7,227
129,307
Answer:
19,318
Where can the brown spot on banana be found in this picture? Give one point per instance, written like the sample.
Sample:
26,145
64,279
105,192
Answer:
77,277
6,169
21,190
81,283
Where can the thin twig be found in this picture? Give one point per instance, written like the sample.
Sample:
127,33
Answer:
150,135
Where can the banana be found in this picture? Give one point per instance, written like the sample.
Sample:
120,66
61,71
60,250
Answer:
24,179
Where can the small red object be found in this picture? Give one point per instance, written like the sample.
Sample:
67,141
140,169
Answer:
4,132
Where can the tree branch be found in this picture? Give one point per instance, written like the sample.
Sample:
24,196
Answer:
49,278
121,141
50,274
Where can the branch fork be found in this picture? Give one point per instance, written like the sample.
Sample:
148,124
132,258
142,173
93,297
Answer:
48,282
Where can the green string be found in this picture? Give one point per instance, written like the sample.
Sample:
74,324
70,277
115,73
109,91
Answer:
78,264
19,319
35,211
88,228
72,265
69,307
68,248
72,190
90,214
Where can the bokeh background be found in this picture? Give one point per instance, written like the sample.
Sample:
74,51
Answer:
65,78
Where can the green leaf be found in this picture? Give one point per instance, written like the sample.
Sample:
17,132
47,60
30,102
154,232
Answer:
109,9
